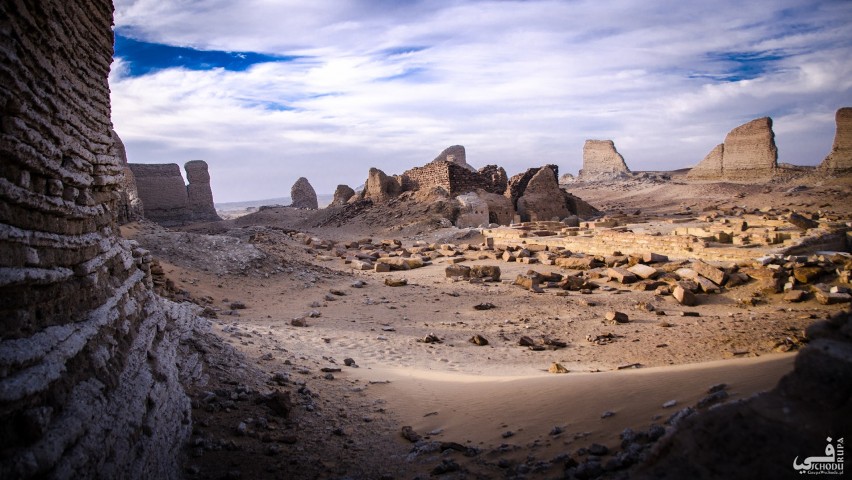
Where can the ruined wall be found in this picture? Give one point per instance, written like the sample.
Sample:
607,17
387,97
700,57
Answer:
473,211
601,161
455,154
129,207
167,199
452,177
88,378
518,183
163,191
711,167
542,200
748,155
198,192
342,194
379,187
840,158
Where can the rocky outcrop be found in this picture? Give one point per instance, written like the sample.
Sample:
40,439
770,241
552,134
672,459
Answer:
129,207
199,194
89,377
342,194
473,211
542,200
303,194
748,155
455,154
380,187
601,161
839,161
167,200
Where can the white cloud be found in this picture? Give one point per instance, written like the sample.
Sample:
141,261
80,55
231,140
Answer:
519,84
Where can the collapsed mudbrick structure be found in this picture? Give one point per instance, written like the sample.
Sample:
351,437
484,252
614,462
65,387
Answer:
342,194
748,155
601,161
89,382
303,194
130,206
165,197
839,161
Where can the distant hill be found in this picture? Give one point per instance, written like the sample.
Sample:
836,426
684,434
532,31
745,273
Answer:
322,199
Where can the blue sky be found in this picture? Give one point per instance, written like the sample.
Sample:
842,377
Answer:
269,91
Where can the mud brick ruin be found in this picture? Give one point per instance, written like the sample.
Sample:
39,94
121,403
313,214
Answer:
130,206
839,161
89,377
748,155
167,199
451,172
601,161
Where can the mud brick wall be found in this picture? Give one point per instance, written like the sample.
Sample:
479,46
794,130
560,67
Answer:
453,178
840,158
88,377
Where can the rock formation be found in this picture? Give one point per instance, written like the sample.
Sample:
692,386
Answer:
601,161
542,198
89,383
380,187
342,194
840,159
167,199
303,194
473,211
748,155
455,154
199,194
129,207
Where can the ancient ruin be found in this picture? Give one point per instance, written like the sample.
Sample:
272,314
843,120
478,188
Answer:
542,198
167,199
748,155
839,161
199,193
89,382
130,206
303,195
379,187
342,194
453,178
601,161
473,212
455,154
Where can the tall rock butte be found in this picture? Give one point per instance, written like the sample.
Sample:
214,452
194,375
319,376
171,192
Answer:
601,161
198,192
303,195
840,158
89,355
749,155
167,199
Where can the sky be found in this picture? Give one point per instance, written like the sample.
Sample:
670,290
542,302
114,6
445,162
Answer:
267,91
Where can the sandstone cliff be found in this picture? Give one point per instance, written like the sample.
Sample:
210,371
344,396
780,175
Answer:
840,159
89,383
748,155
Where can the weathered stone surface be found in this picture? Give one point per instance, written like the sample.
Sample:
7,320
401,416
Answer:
303,194
711,167
643,271
380,187
621,275
616,317
496,177
748,155
342,194
542,198
90,384
199,194
579,263
684,296
130,205
455,154
517,185
462,271
840,159
486,271
802,222
500,209
601,161
710,272
473,211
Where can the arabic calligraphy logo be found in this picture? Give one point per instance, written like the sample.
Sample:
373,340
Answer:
830,464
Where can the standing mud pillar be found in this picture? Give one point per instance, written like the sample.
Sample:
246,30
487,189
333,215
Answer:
198,191
88,370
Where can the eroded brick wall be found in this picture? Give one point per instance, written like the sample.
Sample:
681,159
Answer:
88,378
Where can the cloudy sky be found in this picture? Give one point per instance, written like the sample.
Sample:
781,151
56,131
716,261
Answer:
267,91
